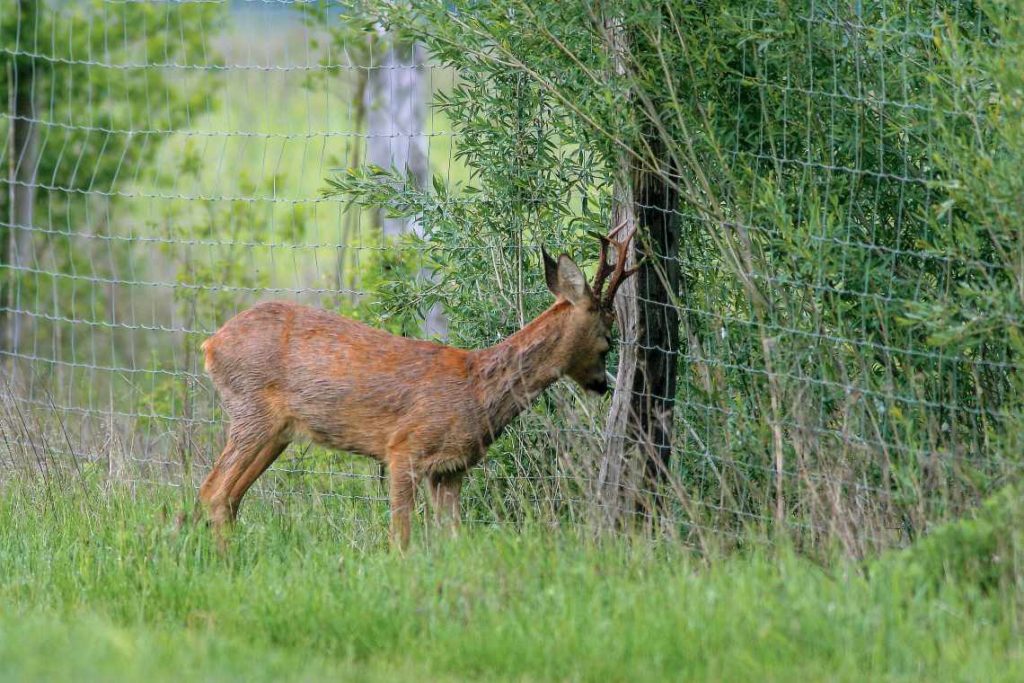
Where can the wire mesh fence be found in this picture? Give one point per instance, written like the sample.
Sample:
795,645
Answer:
840,351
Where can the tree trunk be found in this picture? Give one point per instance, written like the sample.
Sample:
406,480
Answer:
395,105
619,436
643,404
657,286
23,165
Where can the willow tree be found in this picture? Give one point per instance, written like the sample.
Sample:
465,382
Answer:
813,337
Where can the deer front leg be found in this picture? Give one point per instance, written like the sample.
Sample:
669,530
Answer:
445,489
403,487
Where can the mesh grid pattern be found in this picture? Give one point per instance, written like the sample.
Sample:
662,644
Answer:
182,151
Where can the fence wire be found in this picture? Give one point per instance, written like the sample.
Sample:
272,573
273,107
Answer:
171,173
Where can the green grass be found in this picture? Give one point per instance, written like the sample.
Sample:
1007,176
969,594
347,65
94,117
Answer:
103,584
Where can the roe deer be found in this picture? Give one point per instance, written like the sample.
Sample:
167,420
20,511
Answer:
284,370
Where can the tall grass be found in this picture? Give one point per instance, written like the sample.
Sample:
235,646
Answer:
103,582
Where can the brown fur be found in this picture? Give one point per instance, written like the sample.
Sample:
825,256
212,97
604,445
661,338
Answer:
285,371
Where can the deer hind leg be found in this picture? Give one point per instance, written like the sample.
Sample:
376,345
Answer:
403,480
445,489
253,444
265,457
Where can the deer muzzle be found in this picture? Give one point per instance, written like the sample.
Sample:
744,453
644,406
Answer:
599,386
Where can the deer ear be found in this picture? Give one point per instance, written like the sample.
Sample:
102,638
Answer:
571,282
564,278
550,271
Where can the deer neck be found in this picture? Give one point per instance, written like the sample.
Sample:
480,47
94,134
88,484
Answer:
511,374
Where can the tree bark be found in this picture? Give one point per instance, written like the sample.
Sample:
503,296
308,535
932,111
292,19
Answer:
22,169
619,435
395,114
643,404
395,105
657,286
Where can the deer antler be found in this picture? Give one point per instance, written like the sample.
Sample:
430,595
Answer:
618,271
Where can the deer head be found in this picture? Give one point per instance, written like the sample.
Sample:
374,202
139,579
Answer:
592,306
